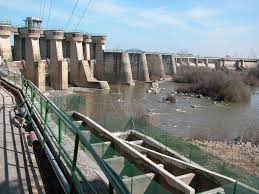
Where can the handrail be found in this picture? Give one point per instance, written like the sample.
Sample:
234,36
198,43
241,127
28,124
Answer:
25,85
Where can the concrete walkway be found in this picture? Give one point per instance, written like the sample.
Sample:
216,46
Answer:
18,167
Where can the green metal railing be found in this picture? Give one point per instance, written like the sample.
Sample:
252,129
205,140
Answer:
45,110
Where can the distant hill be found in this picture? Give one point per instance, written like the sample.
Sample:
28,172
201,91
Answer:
135,51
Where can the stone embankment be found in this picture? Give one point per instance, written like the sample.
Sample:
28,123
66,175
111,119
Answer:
243,155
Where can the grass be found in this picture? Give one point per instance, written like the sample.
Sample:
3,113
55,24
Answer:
219,85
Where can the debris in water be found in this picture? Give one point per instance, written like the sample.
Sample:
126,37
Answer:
195,106
169,99
180,110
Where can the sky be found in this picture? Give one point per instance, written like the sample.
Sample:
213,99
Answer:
201,27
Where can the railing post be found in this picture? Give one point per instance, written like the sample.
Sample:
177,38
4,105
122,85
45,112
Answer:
14,79
74,161
190,155
235,187
131,185
32,96
133,123
102,149
111,189
23,82
46,114
26,89
41,108
59,134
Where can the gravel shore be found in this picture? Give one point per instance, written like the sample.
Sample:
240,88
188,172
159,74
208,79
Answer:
243,155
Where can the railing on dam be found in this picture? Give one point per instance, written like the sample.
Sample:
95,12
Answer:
47,112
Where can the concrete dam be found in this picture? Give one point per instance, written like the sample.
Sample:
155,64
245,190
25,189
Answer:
56,58
83,156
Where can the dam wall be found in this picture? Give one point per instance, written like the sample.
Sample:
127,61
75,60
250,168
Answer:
167,63
5,42
142,66
55,58
136,66
154,66
139,66
117,68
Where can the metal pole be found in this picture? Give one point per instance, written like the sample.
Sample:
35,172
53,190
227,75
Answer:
235,188
59,135
41,108
111,189
74,160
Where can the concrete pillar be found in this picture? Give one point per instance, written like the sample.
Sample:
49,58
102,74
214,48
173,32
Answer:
173,62
242,63
76,55
58,65
219,63
98,47
181,61
155,66
176,61
35,68
44,47
5,42
223,63
17,48
145,67
81,73
188,62
196,62
126,73
39,71
87,39
206,61
160,66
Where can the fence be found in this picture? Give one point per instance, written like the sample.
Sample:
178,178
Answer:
56,125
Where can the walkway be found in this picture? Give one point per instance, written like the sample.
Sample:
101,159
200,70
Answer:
18,166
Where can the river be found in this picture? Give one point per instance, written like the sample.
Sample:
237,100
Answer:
220,121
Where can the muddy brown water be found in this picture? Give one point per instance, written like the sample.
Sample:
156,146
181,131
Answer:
220,121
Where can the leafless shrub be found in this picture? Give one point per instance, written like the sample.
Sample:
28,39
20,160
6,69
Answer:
219,85
252,77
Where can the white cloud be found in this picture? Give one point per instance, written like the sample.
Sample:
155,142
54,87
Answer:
159,16
19,5
201,13
109,8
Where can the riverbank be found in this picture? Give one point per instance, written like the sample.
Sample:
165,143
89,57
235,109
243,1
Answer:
218,85
242,155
